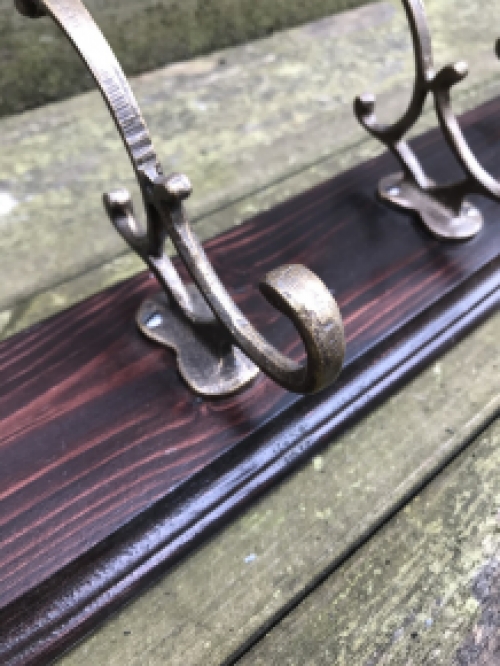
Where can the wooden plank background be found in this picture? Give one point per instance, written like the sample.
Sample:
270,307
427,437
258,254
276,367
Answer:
145,35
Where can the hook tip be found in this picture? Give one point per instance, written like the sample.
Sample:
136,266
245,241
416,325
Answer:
117,200
301,295
30,8
364,105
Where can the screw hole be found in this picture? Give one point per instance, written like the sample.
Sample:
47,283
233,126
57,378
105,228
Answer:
155,321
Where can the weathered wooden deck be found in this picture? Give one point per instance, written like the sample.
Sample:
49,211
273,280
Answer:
350,561
42,67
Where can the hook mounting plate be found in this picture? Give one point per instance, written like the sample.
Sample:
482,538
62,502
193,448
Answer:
207,360
443,221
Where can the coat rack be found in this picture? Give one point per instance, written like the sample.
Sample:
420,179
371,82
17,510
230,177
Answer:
113,466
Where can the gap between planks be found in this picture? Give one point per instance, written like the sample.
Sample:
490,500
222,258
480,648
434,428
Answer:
425,590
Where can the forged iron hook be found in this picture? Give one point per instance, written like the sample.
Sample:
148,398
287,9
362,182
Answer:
442,208
214,321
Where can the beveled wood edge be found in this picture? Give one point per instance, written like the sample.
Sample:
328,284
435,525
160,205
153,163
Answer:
41,625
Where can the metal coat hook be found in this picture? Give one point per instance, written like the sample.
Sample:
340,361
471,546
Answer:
444,209
218,350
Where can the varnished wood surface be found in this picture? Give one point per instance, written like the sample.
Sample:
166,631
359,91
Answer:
111,468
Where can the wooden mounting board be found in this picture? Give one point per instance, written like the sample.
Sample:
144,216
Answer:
111,469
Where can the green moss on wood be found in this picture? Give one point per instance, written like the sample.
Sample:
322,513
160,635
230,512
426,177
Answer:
251,126
425,590
39,66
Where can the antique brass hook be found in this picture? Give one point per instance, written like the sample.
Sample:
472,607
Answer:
444,209
200,322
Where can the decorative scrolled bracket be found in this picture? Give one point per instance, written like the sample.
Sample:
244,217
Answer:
218,350
443,209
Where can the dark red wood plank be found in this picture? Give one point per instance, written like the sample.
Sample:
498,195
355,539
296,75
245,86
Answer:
110,468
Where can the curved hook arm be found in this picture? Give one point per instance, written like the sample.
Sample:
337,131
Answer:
364,106
89,42
479,180
439,84
294,290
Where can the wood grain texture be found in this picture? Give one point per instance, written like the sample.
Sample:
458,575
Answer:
235,587
111,469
